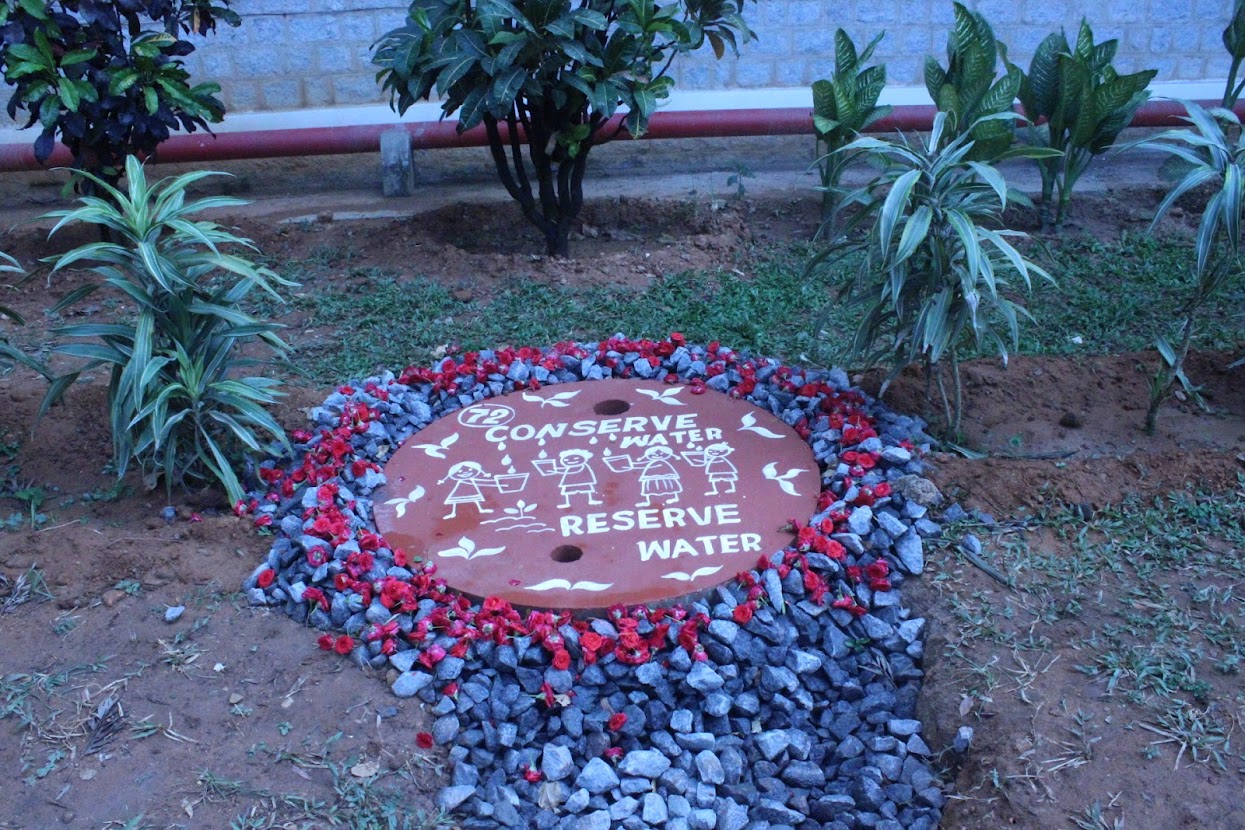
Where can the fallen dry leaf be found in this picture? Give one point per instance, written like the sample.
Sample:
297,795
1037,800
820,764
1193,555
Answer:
365,769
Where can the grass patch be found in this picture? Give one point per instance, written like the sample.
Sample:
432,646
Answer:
387,323
1151,590
1116,296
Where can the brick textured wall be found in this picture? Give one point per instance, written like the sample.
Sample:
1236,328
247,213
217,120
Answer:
316,53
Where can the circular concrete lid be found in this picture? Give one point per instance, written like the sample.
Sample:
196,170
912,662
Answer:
585,495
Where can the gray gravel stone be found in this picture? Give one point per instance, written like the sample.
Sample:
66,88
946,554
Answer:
597,820
577,801
772,743
597,777
704,679
174,613
908,549
702,820
860,521
645,763
556,762
654,809
903,727
709,767
449,798
804,774
410,683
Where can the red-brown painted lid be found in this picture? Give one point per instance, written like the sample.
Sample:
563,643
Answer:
589,494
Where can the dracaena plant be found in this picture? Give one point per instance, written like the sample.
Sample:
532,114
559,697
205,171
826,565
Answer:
843,107
1212,151
9,352
969,89
1083,103
1234,42
177,405
106,77
547,77
935,273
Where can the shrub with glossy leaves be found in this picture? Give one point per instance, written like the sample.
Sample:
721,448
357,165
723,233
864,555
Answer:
176,404
1083,104
934,273
106,77
844,105
968,89
549,75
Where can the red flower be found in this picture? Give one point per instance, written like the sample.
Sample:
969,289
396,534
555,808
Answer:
451,690
591,641
743,613
399,558
617,721
343,644
532,775
266,577
432,655
423,740
325,642
613,753
561,659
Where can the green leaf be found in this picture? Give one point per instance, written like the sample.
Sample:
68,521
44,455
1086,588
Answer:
1043,78
894,205
845,58
455,69
506,86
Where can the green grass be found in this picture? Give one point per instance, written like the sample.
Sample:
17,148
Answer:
391,324
1152,590
1121,296
1112,296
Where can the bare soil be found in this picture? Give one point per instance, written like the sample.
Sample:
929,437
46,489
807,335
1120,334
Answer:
232,711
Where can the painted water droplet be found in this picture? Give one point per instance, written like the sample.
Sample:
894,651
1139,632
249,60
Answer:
593,442
501,446
541,442
506,460
543,454
607,451
511,470
613,437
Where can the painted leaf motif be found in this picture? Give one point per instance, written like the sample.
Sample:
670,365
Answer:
487,552
694,575
466,544
592,586
784,481
446,443
549,584
749,423
666,396
416,494
565,585
454,552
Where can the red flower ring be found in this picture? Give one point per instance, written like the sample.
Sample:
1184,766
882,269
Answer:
334,458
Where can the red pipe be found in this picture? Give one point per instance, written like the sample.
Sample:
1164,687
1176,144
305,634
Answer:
426,135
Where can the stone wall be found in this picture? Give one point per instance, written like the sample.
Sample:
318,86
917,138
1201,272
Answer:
317,53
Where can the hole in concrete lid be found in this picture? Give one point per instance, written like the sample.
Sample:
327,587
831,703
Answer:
611,407
566,553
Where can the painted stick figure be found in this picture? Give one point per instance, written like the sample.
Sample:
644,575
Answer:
468,477
658,478
719,468
577,476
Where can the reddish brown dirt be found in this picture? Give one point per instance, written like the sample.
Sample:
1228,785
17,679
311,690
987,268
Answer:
95,638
